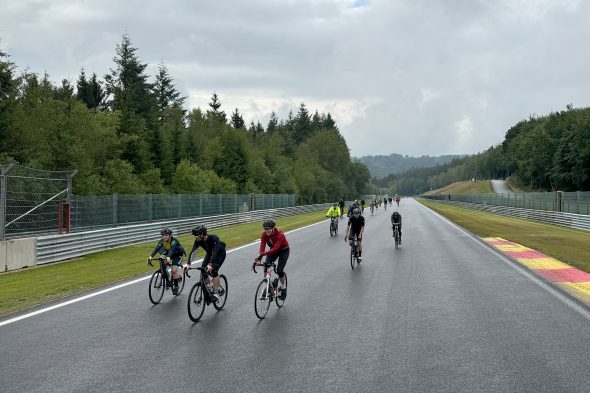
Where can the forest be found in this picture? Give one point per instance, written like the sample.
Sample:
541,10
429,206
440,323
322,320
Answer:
129,133
541,153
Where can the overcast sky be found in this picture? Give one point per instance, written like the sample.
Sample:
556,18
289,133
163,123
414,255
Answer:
415,77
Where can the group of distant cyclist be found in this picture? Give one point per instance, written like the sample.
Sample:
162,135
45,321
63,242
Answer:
356,221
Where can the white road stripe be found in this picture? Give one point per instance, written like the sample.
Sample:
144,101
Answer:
78,299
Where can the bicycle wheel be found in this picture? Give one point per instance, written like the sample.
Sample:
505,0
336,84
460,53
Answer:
262,300
221,292
281,303
331,229
352,256
157,287
196,303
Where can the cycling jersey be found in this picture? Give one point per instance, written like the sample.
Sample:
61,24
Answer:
214,249
356,224
171,249
276,241
333,212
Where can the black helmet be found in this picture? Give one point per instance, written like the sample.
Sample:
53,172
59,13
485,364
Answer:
199,230
395,214
166,231
356,210
268,224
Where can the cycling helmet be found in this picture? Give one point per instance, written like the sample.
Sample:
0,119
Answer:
199,230
166,231
268,224
356,211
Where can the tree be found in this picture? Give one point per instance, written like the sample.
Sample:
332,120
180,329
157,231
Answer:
302,127
165,92
237,120
273,123
8,87
214,112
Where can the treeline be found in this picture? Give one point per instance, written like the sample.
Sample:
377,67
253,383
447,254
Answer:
542,153
381,166
130,134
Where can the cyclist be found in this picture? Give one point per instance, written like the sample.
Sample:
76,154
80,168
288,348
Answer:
362,206
352,206
397,199
334,211
214,254
356,227
170,247
385,203
341,205
395,219
279,248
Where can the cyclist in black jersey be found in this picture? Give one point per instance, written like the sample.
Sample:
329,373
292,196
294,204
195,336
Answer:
396,218
356,227
214,257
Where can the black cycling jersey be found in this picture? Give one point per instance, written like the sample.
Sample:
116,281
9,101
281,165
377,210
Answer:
214,248
356,223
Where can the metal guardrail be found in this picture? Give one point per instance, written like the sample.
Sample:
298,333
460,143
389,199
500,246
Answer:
59,247
570,220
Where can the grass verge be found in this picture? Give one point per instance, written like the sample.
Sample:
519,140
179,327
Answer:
464,188
568,245
28,287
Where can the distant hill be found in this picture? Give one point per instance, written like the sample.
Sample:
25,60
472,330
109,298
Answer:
381,166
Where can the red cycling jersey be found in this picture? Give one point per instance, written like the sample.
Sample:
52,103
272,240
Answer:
276,241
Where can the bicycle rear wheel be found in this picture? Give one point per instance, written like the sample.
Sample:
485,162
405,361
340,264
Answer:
280,303
221,292
331,229
262,300
157,287
196,303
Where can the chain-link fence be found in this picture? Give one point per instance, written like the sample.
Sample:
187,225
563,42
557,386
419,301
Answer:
30,200
36,202
93,212
558,201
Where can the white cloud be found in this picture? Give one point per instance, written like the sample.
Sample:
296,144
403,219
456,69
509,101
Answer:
411,77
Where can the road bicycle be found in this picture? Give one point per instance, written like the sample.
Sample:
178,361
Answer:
161,281
396,235
201,294
267,290
354,253
372,208
333,227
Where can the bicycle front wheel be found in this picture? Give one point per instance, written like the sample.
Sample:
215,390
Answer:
262,299
281,302
196,303
221,292
352,257
157,287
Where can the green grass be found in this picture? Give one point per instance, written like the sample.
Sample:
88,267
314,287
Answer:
464,188
568,245
28,287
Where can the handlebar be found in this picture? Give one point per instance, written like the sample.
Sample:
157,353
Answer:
274,266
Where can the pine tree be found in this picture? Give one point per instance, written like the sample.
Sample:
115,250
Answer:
8,87
165,92
82,87
214,112
95,94
302,127
273,123
237,120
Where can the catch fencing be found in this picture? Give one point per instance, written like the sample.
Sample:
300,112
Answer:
59,247
566,209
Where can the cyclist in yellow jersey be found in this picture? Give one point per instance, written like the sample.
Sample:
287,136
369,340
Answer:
334,211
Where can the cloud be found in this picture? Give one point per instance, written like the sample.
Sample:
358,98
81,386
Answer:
398,76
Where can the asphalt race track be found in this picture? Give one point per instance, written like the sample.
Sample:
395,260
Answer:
444,313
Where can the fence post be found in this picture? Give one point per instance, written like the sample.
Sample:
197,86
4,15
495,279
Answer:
151,207
3,185
179,201
115,209
559,195
220,205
